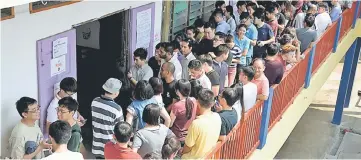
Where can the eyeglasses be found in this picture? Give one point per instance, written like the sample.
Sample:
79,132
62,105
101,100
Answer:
58,109
37,109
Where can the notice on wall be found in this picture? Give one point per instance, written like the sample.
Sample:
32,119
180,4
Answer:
143,29
57,65
60,47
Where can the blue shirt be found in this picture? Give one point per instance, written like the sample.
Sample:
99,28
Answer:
242,44
252,34
224,27
264,33
335,13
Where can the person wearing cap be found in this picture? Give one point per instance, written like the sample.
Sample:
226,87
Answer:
105,114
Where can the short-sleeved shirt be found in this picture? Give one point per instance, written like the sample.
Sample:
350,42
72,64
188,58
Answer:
114,151
264,33
22,134
169,93
262,85
250,98
203,134
243,44
222,69
213,77
252,34
141,73
223,27
335,12
205,82
182,123
306,36
177,65
151,140
274,26
229,120
274,71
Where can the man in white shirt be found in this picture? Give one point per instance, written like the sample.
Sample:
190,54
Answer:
59,134
140,70
300,17
166,53
246,74
323,19
187,55
196,72
68,88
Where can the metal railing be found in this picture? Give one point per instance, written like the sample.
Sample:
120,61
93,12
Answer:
252,132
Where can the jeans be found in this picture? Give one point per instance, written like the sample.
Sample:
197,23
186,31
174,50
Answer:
231,75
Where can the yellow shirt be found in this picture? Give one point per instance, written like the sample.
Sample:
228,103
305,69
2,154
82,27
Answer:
203,134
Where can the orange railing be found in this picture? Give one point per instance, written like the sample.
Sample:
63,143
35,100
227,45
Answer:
287,89
324,46
243,139
245,136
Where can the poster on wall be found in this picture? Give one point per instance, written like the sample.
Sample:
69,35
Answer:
60,47
144,22
57,65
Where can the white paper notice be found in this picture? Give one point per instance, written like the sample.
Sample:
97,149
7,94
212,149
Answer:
60,47
143,28
57,66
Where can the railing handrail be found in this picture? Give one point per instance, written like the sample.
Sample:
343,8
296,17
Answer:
307,54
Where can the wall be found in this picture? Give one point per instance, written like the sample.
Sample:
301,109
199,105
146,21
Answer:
18,48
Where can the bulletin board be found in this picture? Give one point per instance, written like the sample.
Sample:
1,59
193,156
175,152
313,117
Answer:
56,59
142,29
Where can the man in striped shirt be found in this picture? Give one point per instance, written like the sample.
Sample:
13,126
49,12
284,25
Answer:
105,114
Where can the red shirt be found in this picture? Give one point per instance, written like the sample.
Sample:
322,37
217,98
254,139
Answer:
182,123
113,151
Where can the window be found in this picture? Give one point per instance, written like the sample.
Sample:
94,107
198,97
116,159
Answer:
43,5
7,13
184,13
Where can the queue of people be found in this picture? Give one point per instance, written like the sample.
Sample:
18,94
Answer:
190,94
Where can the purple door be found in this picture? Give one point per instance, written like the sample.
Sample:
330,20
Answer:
47,78
133,19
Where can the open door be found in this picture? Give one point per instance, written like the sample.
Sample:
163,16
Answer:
56,59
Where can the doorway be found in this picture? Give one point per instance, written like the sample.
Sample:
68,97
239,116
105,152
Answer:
103,52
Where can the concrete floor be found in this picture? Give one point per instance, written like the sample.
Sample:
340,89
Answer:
314,135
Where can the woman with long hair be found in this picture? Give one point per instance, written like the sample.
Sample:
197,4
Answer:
239,105
182,112
230,19
143,95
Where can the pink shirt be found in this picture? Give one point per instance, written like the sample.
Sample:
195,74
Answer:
262,85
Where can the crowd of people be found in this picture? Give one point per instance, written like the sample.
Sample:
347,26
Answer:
190,94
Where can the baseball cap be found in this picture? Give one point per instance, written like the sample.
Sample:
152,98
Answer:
112,85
